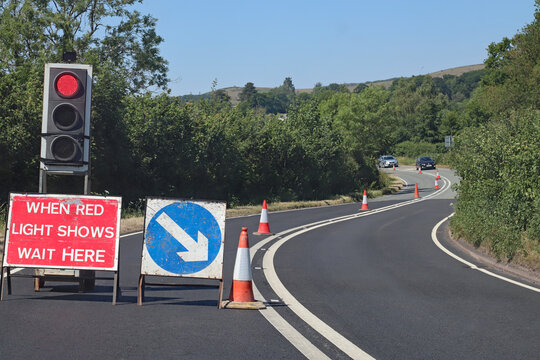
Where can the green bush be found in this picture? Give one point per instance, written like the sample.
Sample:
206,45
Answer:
499,193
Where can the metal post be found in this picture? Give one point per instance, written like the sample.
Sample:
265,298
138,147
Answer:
8,278
2,284
140,290
87,183
42,181
220,300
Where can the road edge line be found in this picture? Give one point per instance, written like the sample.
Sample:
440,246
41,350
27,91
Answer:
469,264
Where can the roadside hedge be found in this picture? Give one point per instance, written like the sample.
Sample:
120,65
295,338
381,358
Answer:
499,193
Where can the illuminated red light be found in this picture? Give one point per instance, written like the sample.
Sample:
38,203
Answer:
67,85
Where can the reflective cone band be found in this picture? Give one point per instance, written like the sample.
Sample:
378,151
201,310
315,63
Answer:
364,201
436,184
416,195
264,227
241,296
437,177
242,290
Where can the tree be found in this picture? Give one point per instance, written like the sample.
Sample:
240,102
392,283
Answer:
359,88
499,205
288,85
122,46
35,32
247,92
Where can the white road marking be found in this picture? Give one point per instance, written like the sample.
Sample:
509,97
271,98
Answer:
318,325
469,264
298,340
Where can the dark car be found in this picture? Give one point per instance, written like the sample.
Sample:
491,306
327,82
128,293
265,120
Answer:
387,161
425,162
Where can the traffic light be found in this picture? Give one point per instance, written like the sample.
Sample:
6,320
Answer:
66,117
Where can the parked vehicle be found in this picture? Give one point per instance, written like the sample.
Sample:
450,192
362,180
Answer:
425,162
387,161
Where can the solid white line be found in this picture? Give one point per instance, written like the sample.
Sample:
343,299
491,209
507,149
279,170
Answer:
318,325
133,233
405,183
471,265
288,331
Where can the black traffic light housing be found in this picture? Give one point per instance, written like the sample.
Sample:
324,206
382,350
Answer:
66,117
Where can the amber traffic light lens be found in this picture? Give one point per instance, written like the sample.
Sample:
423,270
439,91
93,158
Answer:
65,117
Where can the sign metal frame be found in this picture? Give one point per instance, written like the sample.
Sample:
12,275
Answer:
7,264
156,205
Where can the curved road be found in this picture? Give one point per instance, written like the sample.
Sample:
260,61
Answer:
381,283
378,283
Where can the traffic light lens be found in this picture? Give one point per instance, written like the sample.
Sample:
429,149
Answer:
65,117
67,85
64,148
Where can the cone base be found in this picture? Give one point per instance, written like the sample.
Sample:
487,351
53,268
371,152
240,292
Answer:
251,305
262,233
364,209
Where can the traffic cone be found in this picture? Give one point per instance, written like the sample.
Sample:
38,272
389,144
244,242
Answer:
419,169
364,201
241,296
436,184
394,167
264,227
437,177
416,194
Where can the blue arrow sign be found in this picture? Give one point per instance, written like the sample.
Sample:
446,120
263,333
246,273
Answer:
183,238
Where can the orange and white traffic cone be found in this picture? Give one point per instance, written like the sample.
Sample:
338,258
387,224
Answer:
364,201
241,296
394,167
264,227
416,194
437,177
419,169
436,184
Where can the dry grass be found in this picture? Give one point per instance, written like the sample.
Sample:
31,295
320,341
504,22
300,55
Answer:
234,91
529,256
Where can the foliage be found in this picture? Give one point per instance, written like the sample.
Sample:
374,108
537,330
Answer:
498,156
416,149
499,195
276,144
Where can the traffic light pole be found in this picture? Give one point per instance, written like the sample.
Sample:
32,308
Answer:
89,274
65,143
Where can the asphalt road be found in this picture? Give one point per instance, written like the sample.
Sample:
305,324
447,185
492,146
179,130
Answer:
378,280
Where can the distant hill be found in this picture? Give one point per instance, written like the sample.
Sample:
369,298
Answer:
234,91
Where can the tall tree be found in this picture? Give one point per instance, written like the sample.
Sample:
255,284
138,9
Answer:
121,44
248,91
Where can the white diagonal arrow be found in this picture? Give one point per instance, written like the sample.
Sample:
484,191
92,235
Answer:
196,250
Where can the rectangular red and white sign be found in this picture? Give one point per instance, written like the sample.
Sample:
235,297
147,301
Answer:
63,231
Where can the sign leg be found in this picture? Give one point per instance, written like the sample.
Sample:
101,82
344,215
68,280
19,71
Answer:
115,287
8,274
140,290
2,284
220,294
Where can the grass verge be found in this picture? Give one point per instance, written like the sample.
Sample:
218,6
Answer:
134,220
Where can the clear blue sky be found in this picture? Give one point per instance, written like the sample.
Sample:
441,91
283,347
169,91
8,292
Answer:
325,41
